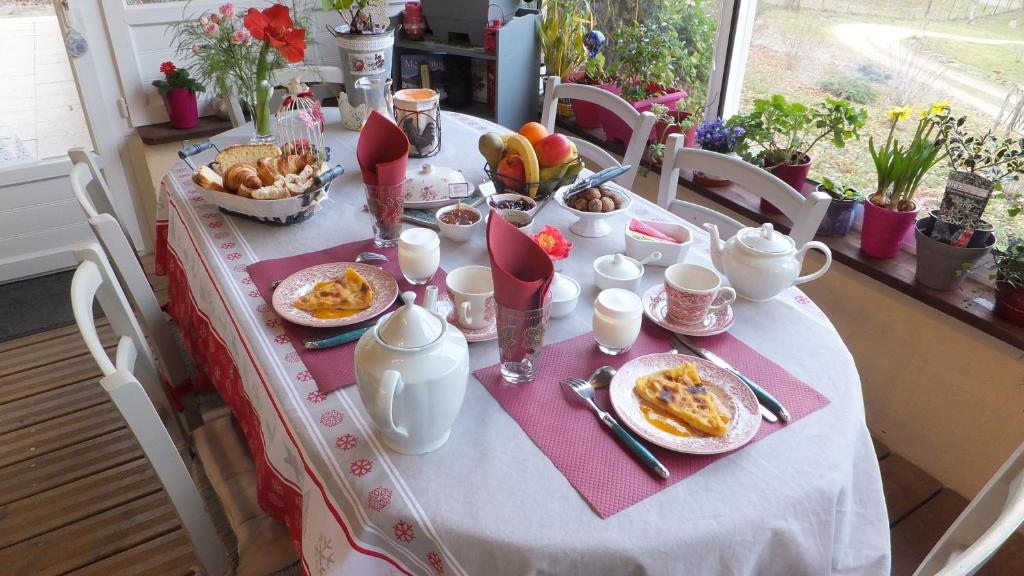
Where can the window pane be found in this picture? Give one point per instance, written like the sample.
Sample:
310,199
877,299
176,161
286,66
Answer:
41,116
881,54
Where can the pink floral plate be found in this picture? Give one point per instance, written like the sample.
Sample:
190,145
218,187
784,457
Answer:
446,309
656,308
384,287
733,395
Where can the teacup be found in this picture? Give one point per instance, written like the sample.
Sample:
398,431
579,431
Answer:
691,291
471,289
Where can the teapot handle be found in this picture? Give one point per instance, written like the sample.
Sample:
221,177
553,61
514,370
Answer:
382,410
819,272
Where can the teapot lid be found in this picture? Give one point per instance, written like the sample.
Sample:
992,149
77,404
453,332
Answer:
618,267
411,326
765,239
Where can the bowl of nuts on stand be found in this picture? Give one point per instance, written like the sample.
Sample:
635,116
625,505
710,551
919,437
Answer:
593,206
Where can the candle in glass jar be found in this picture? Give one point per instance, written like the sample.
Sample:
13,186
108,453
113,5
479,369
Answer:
419,254
618,314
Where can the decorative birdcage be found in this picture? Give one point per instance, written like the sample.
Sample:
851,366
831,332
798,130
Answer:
300,122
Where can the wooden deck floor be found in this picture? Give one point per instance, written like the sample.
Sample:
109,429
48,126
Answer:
78,496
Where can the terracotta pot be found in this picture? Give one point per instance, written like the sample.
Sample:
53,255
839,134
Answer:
712,180
1010,302
884,230
182,108
617,130
793,174
939,265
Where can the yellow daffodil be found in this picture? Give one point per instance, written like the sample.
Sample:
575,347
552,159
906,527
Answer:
940,107
899,113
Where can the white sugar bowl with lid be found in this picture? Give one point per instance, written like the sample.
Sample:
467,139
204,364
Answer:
431,186
761,262
565,293
618,271
411,373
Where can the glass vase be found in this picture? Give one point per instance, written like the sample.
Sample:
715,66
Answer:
261,116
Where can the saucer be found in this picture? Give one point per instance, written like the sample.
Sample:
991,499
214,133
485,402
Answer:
445,308
656,308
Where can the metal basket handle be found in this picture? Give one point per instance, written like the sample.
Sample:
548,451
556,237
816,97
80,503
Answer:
189,150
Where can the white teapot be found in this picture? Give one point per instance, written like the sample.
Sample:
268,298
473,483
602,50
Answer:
411,372
760,262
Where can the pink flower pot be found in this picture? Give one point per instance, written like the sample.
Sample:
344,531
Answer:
1010,302
617,130
793,174
182,108
588,114
884,230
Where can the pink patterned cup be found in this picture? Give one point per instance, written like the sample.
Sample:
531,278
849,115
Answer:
691,291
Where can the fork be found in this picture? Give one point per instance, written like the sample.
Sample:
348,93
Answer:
584,390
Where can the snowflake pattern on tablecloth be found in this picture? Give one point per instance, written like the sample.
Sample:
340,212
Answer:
435,562
801,299
210,215
273,323
234,256
228,245
404,532
378,498
217,224
361,467
316,397
331,418
221,235
240,267
304,376
323,555
255,294
246,280
292,357
346,442
262,308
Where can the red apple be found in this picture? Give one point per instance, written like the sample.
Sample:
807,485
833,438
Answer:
512,171
553,150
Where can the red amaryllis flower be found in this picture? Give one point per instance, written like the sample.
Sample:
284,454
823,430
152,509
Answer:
167,68
553,244
274,25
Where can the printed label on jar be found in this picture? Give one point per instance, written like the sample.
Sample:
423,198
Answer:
366,64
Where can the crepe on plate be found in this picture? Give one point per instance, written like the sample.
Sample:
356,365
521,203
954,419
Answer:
349,292
678,391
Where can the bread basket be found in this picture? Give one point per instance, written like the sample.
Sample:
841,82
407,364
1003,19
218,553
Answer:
281,212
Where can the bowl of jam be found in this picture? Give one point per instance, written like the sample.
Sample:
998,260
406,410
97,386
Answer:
512,202
458,221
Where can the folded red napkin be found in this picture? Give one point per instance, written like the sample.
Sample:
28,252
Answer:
522,271
382,151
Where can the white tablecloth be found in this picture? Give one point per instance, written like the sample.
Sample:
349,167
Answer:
805,500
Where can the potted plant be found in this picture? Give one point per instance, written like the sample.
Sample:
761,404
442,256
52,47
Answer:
588,114
179,93
641,58
1010,281
563,27
716,136
366,42
842,210
780,135
669,122
891,210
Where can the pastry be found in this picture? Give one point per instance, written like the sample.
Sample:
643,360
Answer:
275,191
349,292
208,179
244,154
241,175
678,391
270,168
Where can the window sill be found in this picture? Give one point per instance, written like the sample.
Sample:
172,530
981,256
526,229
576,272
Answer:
972,303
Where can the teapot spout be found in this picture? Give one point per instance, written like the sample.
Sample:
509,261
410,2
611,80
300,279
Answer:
717,245
430,299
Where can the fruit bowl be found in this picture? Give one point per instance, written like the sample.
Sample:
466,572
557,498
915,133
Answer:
543,188
593,224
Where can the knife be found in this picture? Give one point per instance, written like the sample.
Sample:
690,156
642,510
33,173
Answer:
597,178
350,335
763,396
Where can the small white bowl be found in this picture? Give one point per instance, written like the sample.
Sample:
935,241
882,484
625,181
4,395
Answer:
592,224
518,218
629,278
495,198
458,232
670,253
563,305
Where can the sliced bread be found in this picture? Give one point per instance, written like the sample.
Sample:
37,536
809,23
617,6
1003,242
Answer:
208,179
245,153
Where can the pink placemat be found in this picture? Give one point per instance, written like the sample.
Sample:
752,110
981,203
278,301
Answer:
586,452
331,368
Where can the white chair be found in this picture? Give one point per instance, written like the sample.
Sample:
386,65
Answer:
129,271
324,81
640,123
982,528
133,385
805,212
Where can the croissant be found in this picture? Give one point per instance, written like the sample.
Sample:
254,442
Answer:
267,170
240,175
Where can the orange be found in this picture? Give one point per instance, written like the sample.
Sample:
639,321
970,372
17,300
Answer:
534,132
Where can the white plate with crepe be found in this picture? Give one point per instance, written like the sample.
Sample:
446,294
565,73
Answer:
732,396
382,285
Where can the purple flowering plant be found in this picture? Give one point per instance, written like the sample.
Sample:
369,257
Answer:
715,136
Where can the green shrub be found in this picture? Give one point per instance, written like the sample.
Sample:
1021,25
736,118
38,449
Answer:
849,88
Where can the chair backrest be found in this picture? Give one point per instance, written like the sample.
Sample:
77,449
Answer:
325,81
89,185
805,212
982,528
132,277
640,122
131,382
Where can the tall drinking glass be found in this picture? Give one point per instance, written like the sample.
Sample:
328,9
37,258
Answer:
386,204
520,339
